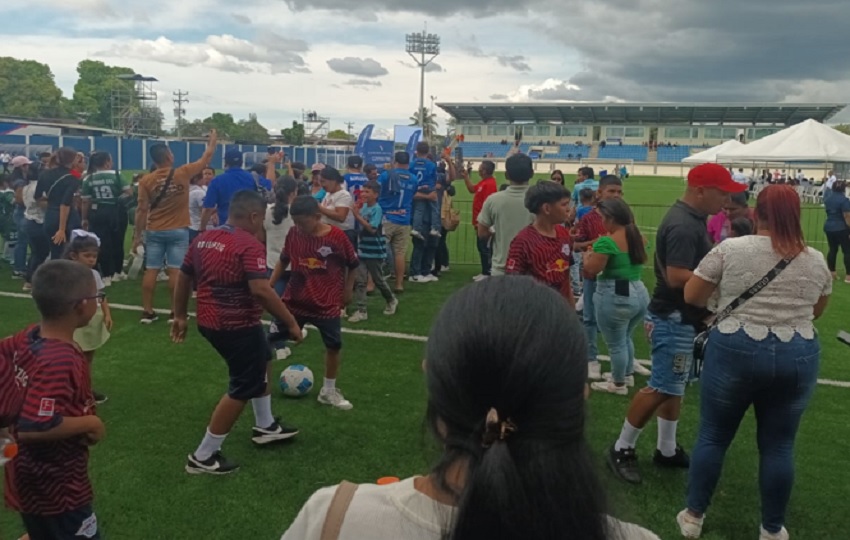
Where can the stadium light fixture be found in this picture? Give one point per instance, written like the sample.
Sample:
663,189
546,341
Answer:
423,48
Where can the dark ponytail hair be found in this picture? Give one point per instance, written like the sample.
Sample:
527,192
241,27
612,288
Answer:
98,161
80,244
283,189
330,173
619,212
539,481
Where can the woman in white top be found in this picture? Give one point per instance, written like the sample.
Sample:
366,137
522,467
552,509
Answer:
37,239
197,191
336,206
506,405
765,354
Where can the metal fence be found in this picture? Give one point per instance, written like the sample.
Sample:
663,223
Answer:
463,248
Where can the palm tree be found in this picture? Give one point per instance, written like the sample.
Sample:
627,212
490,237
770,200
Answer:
430,122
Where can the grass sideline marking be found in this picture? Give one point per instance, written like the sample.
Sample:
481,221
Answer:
375,333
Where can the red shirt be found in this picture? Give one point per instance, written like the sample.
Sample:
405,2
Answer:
52,477
541,257
591,227
483,190
223,261
11,386
315,288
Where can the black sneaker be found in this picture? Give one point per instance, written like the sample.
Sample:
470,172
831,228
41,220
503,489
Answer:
679,460
217,464
149,318
624,463
99,398
274,433
18,275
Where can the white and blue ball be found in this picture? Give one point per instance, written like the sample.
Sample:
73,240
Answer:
296,381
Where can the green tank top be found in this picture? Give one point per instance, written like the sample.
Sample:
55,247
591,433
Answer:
619,264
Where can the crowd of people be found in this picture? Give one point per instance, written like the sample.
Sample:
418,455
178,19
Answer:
505,401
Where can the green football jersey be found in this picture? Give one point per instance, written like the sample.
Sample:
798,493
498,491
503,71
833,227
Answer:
103,188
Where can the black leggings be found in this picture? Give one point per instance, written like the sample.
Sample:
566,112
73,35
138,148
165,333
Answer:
104,222
840,239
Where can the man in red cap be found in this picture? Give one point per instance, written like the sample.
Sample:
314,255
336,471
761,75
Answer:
681,242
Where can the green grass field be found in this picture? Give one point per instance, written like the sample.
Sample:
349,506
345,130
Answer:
161,396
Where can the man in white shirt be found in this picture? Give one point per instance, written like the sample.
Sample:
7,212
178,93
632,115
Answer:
5,158
832,179
740,177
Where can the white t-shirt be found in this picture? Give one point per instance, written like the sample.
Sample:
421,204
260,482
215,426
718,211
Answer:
275,236
399,511
196,206
832,180
785,307
339,199
32,211
741,178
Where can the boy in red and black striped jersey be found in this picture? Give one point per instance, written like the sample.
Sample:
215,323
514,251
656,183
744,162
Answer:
543,250
229,266
322,278
47,483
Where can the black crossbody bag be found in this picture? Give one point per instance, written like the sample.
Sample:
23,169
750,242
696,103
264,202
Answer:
701,341
164,190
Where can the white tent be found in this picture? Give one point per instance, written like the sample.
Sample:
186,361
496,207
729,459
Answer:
710,155
807,141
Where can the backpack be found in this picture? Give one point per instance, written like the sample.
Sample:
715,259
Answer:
449,215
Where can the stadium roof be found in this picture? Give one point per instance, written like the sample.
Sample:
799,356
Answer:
785,114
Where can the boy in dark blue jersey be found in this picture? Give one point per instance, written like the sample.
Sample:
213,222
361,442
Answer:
354,177
426,211
372,251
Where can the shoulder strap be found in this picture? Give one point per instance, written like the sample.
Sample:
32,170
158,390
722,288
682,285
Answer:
164,189
754,290
49,191
336,511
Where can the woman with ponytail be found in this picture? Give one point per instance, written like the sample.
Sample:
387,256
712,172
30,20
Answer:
621,298
278,222
506,407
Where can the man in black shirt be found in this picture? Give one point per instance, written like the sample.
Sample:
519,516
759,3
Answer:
681,243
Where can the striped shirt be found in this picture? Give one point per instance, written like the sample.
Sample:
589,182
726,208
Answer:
49,478
591,227
372,245
544,258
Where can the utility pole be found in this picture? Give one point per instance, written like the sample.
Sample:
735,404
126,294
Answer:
349,125
180,98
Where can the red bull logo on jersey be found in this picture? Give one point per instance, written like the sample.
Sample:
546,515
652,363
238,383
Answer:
311,263
559,266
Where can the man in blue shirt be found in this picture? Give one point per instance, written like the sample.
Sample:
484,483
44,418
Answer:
584,180
398,187
426,210
234,179
354,177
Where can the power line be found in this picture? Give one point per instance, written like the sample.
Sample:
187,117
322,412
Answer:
180,98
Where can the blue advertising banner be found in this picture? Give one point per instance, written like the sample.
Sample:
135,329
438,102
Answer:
379,153
414,140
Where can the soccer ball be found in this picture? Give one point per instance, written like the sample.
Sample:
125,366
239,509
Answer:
296,381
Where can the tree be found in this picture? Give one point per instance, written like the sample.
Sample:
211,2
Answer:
94,89
294,135
27,89
252,131
843,128
430,128
339,134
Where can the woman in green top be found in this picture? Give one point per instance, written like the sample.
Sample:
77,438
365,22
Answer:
102,195
621,298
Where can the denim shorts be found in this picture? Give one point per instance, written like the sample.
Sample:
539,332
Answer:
169,246
672,353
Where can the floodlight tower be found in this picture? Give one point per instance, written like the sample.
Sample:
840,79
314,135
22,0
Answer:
427,47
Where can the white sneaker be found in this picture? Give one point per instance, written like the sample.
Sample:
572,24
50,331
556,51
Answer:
690,526
107,282
343,313
781,535
630,379
417,234
594,370
480,277
303,334
610,387
640,369
437,234
283,354
335,399
162,276
392,306
445,269
417,279
118,277
580,304
430,278
359,316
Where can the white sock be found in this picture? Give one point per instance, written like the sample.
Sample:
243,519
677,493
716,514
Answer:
263,411
667,437
330,384
628,437
209,446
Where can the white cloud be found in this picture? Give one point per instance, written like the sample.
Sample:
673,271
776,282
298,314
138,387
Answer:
361,67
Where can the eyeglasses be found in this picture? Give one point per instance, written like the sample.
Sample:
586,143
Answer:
100,297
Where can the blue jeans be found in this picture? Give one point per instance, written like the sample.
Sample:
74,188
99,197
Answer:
588,315
422,258
169,246
672,353
777,379
426,216
617,317
486,255
575,273
20,262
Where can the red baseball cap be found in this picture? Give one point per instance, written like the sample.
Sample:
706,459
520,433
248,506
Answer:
712,175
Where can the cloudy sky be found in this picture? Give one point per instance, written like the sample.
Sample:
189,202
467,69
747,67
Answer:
346,60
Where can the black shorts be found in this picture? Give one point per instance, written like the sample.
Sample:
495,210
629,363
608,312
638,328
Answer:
72,525
330,329
247,354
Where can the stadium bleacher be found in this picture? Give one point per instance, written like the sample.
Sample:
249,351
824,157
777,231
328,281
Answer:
674,154
566,151
627,151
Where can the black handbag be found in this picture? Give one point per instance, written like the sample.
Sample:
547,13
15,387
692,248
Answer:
701,340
